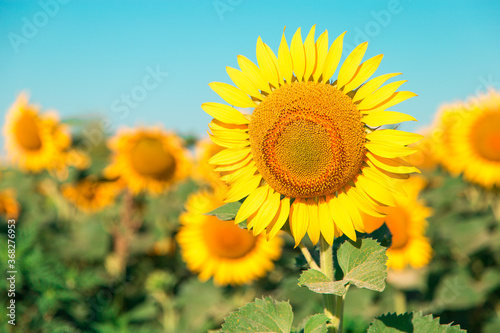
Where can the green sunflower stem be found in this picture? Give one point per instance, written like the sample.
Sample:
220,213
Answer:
333,304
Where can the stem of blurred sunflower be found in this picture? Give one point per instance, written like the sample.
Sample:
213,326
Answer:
334,305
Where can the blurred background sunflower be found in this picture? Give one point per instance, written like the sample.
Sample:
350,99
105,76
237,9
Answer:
147,159
220,249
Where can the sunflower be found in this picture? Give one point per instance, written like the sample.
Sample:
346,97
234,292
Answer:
203,171
311,151
448,118
90,195
35,141
9,207
221,249
475,141
407,223
147,159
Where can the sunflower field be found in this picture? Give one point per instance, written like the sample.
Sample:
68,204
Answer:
305,209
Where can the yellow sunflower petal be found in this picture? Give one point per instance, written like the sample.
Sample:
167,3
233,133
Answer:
252,203
391,135
333,58
228,143
396,98
242,173
322,51
383,181
280,218
364,71
229,156
389,151
351,210
310,52
242,82
364,203
372,85
266,213
372,188
380,95
232,95
298,55
350,65
313,229
326,221
285,60
268,63
340,217
379,118
253,73
390,164
234,166
239,190
299,219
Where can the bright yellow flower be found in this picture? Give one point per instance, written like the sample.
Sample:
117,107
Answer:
475,141
203,171
407,223
311,151
36,141
90,195
448,118
9,207
220,249
148,159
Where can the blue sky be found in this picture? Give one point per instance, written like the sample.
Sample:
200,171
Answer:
82,57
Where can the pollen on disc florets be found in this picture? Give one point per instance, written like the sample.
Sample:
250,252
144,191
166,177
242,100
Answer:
307,139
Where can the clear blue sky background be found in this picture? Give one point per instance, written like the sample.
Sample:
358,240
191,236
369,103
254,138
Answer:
86,54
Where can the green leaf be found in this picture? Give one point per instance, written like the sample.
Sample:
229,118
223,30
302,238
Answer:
362,264
226,212
413,322
317,324
263,315
320,283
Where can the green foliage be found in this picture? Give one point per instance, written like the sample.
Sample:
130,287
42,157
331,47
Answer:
263,315
316,324
362,264
70,281
226,212
413,322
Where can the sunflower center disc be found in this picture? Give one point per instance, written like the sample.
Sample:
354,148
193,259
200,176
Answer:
149,158
486,137
27,132
307,139
227,240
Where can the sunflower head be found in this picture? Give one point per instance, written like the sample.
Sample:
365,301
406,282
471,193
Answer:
475,140
221,249
310,152
407,224
448,119
36,141
90,194
148,159
9,207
